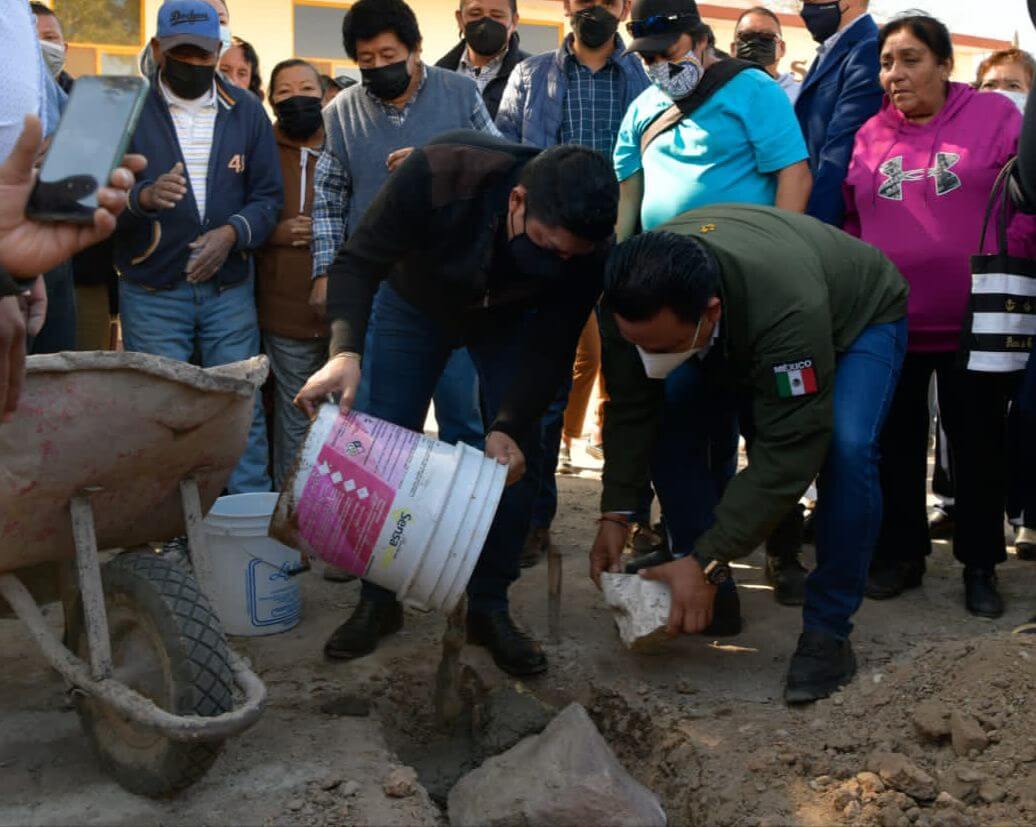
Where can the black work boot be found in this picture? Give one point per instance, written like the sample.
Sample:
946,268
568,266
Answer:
888,580
821,664
512,649
788,577
537,544
726,615
981,594
359,635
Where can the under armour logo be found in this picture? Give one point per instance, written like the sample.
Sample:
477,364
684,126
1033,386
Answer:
946,181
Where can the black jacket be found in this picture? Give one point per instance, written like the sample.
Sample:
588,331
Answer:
437,232
494,90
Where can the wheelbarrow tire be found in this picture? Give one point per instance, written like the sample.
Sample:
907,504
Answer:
183,639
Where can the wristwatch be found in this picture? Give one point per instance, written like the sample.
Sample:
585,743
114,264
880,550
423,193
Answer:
716,571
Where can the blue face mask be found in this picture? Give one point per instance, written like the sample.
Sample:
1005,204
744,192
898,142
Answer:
822,19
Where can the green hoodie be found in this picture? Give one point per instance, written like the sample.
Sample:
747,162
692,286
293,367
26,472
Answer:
795,293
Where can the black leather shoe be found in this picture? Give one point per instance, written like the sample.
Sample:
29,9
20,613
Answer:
512,649
788,578
981,594
1025,544
537,544
359,635
940,524
726,615
821,664
647,539
885,582
649,561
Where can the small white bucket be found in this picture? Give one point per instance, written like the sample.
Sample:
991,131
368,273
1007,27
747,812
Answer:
392,506
249,575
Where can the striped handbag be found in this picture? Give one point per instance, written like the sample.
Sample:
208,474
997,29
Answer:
1000,325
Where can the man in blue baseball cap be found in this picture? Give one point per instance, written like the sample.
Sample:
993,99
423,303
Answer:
184,247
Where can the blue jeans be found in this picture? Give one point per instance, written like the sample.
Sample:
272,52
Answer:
405,357
849,502
222,326
59,328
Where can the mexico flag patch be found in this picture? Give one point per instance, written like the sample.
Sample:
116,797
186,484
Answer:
795,379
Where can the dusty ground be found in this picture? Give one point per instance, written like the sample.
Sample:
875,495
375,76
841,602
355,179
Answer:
703,724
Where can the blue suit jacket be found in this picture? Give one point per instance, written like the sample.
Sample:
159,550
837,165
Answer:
837,98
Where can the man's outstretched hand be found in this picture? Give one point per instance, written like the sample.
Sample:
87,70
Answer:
693,596
28,247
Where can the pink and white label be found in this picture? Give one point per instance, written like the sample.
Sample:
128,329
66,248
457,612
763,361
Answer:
350,490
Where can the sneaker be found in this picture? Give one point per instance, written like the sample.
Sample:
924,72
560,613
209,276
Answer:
821,665
537,544
565,460
1025,543
595,450
787,575
367,625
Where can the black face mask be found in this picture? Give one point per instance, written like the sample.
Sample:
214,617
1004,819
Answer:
757,49
530,262
822,19
387,82
185,80
486,36
595,26
299,116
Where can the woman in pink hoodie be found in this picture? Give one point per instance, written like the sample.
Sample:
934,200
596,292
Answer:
917,188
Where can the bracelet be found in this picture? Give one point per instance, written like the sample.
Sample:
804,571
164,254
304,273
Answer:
612,518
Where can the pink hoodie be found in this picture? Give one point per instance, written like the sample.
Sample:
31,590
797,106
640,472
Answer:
918,193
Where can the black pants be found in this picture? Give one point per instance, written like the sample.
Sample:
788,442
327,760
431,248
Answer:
973,407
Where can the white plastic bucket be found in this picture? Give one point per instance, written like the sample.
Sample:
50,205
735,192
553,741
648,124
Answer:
249,575
392,506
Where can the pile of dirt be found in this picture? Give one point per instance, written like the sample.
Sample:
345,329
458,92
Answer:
943,736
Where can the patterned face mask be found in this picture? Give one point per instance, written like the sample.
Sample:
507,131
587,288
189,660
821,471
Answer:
679,79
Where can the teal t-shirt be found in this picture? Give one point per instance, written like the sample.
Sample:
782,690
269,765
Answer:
726,152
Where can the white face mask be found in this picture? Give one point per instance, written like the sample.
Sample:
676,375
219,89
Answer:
677,79
53,56
1018,98
660,365
224,39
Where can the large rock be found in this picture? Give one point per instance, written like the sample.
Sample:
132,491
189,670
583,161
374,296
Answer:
898,772
932,720
565,777
640,608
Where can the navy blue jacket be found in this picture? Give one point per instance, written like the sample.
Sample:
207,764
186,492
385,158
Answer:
245,190
531,110
837,98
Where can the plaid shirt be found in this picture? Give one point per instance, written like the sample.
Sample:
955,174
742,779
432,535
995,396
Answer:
332,182
592,111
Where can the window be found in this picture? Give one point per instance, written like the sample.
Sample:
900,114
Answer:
318,31
540,36
111,22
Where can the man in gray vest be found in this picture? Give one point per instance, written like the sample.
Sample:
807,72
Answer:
401,103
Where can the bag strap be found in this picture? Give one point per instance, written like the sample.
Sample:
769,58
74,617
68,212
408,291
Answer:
1000,189
715,78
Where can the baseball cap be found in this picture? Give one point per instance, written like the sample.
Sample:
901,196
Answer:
188,23
657,24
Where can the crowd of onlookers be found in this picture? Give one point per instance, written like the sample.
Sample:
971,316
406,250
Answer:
225,247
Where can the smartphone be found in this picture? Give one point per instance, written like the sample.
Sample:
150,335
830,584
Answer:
90,140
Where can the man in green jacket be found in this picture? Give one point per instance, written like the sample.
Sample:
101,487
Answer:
772,308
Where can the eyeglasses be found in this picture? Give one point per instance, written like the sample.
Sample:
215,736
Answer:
659,24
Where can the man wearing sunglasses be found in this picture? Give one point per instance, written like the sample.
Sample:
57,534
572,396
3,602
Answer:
758,38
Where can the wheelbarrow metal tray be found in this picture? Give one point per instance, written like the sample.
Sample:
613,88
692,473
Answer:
128,427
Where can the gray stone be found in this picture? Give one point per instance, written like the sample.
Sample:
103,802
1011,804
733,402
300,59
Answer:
640,608
565,776
401,783
898,772
967,734
509,714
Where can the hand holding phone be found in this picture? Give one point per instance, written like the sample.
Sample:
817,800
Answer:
166,192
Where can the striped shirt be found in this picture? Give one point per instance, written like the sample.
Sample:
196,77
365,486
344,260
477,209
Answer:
592,111
195,123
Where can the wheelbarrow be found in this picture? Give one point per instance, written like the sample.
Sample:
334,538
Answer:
112,451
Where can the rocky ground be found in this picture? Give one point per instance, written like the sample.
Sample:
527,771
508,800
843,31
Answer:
938,729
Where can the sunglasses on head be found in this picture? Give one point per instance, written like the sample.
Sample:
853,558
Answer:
659,24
